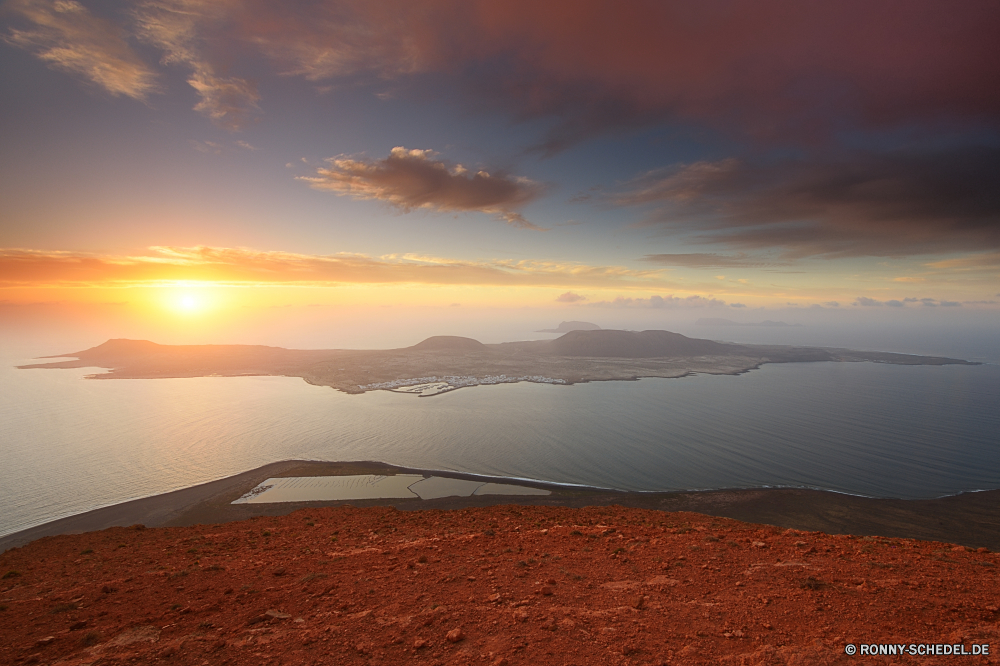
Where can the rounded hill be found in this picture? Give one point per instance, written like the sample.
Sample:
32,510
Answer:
634,344
449,343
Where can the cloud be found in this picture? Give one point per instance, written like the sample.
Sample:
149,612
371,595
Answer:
570,297
207,147
896,303
66,36
412,179
769,70
658,302
705,260
861,204
773,70
33,268
228,101
737,305
183,29
988,261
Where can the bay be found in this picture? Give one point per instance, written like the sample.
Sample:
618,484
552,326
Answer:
69,444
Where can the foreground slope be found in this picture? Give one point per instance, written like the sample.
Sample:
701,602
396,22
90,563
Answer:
499,585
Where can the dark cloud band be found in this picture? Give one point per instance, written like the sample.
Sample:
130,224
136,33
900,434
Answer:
865,204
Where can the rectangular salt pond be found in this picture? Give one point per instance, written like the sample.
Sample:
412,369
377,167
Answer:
371,486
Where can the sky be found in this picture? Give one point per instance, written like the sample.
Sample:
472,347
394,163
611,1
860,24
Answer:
244,171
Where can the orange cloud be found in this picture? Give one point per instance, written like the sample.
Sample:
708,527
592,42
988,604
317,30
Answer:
31,268
657,302
410,179
570,297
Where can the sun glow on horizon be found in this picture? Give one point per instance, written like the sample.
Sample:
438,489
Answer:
190,299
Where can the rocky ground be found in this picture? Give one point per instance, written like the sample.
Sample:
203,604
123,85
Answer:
494,585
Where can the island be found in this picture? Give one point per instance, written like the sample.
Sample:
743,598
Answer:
444,363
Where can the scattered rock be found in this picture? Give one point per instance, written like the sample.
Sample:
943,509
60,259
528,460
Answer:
141,634
812,583
168,652
276,615
455,635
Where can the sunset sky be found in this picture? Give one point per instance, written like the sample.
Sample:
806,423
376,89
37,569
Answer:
172,160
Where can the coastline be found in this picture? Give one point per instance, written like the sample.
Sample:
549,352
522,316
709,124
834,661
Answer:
441,364
970,519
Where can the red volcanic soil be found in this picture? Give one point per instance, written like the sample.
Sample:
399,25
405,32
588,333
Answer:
498,585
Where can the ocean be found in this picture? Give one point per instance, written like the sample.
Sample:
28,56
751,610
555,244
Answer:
70,444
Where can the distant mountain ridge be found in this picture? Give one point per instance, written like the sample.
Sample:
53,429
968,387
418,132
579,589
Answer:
635,344
449,343
567,326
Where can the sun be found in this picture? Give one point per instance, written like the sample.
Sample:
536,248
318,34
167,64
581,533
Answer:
189,300
189,303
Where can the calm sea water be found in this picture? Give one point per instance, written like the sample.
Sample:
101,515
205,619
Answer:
69,445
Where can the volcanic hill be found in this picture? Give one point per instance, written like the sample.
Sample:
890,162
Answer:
493,586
